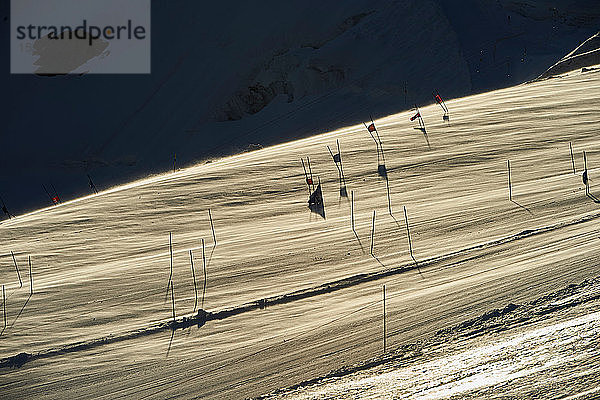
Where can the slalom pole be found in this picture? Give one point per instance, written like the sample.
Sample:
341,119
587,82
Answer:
409,240
4,209
423,127
352,210
372,232
330,152
92,185
173,302
306,177
171,259
379,140
55,194
30,278
585,171
336,166
4,305
376,142
341,166
384,317
204,267
572,158
17,268
309,168
49,196
171,255
509,181
194,278
387,184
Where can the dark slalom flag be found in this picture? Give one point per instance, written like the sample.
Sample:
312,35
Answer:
317,196
337,159
417,115
585,177
315,201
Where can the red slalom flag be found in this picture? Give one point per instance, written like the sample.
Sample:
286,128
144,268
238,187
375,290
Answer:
371,128
438,98
55,200
309,181
417,115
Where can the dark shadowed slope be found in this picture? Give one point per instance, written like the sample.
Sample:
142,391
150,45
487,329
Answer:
224,77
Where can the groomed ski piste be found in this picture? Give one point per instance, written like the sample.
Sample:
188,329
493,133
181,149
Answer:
291,296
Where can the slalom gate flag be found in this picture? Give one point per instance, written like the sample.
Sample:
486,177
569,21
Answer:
55,199
371,128
309,181
417,115
438,98
316,198
337,158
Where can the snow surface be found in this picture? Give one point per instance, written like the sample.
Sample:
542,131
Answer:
285,69
101,263
555,357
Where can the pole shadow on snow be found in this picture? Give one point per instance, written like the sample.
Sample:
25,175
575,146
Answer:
170,342
395,220
377,259
417,265
522,206
593,198
210,256
359,243
21,311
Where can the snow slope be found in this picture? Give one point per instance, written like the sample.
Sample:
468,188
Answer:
228,76
101,263
548,347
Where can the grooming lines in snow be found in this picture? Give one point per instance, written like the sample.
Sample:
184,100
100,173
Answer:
337,159
421,126
315,194
442,103
381,169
